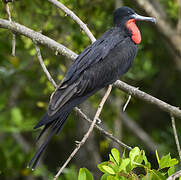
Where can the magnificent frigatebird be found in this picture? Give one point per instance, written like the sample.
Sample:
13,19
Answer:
100,64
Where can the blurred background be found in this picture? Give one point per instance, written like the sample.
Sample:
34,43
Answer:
25,90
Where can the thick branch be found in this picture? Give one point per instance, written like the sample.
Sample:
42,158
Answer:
74,17
38,37
148,98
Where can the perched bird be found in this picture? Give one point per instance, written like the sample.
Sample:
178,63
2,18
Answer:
100,64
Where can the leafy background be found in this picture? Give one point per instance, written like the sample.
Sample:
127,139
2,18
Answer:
25,91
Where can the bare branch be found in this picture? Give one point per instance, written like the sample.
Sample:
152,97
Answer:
176,136
75,18
105,133
14,36
127,102
38,37
88,132
43,65
13,45
174,176
148,98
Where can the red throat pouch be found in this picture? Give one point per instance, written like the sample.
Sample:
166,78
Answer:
136,35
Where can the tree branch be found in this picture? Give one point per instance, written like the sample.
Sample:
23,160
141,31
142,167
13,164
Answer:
176,136
74,17
148,98
43,65
88,132
105,133
14,36
38,37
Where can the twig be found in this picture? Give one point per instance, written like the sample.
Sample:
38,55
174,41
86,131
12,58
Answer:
8,11
105,133
125,106
14,36
41,39
43,65
175,135
13,45
174,176
88,132
75,18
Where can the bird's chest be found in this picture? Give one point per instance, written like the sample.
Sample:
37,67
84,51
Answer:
121,58
115,64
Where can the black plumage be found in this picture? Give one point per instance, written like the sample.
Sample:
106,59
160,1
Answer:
99,65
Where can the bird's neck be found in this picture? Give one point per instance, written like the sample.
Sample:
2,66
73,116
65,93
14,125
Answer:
135,32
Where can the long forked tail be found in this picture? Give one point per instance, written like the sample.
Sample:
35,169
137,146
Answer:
55,126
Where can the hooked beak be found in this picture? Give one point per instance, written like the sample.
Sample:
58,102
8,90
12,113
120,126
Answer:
143,18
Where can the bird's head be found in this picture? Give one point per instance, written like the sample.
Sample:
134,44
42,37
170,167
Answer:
126,17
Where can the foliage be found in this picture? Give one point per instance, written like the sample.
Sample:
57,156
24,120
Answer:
130,167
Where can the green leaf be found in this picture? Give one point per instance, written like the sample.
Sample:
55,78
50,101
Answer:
173,162
124,154
133,153
84,174
100,166
166,161
108,169
112,159
157,156
112,178
171,171
124,164
139,158
115,154
104,177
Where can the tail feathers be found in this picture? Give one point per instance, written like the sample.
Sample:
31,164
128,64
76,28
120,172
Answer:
43,130
56,126
61,124
38,154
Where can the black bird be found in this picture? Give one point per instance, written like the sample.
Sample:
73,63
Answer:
100,64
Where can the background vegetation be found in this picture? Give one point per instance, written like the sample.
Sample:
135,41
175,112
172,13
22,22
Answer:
25,91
